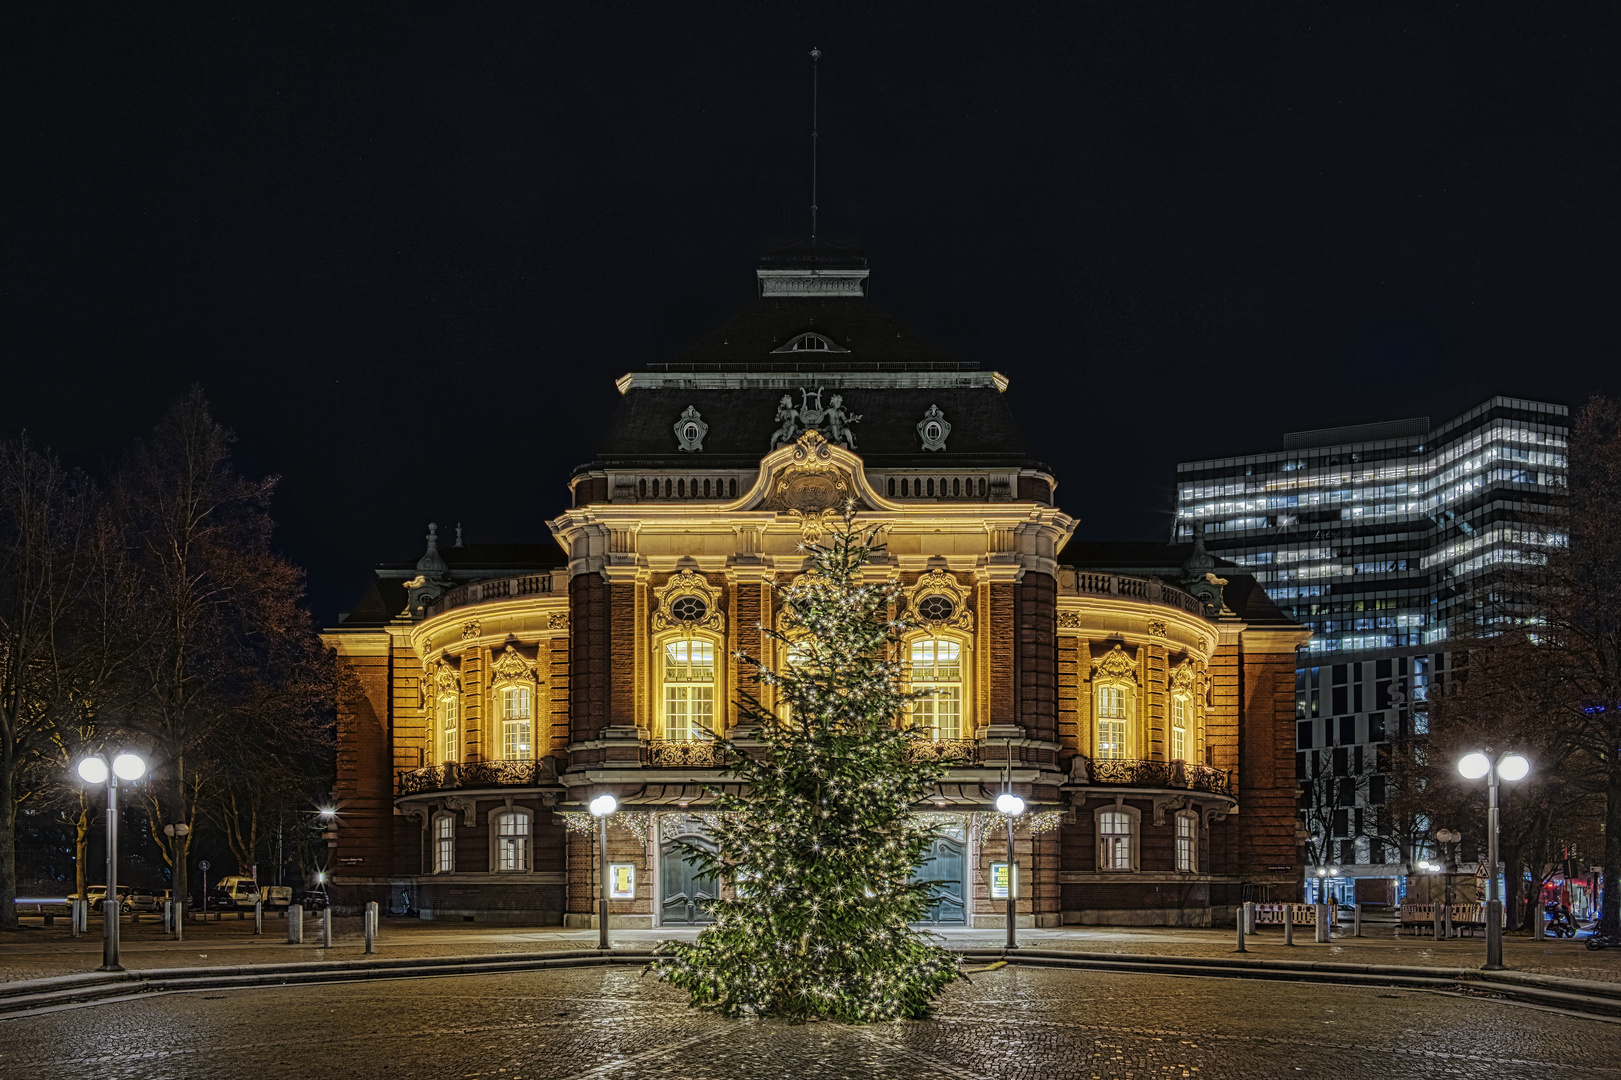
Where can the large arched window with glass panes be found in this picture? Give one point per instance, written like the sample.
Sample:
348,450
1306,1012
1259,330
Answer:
687,687
1179,741
512,691
1114,706
448,735
937,665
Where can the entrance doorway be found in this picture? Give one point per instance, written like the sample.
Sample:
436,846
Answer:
684,890
945,864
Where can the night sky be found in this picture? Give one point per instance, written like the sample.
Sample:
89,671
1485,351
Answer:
406,254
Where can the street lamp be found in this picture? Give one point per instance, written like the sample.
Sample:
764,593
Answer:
601,807
1010,806
94,770
1510,767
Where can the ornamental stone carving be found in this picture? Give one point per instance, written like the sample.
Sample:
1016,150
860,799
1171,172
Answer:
939,601
688,602
511,666
833,419
1069,620
443,679
1156,628
470,629
690,430
1115,664
812,482
933,429
557,620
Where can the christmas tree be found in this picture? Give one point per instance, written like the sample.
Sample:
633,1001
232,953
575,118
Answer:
816,859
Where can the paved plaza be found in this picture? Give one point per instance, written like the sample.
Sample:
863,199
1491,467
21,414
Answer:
40,952
614,1023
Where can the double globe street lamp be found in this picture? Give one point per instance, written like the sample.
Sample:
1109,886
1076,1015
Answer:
95,770
1510,767
601,807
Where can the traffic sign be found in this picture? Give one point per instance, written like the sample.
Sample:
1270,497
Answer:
203,865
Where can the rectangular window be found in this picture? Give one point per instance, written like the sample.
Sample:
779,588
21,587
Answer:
1187,843
1376,727
449,715
689,688
1179,728
512,841
1303,736
1111,722
444,844
516,723
1376,790
1114,840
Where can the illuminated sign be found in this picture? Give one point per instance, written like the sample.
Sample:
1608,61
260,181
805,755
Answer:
621,881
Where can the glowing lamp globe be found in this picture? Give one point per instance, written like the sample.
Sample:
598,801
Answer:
1474,766
1513,767
1008,804
129,766
93,770
603,805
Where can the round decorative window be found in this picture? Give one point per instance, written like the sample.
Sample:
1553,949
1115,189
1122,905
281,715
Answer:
689,609
936,608
931,431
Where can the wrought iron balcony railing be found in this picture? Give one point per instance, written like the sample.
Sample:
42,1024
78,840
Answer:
685,754
945,751
1160,774
471,774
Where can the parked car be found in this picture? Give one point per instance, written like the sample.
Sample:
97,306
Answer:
312,899
276,896
97,895
148,900
235,892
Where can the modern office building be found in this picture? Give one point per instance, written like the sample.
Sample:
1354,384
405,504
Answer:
1386,540
1138,696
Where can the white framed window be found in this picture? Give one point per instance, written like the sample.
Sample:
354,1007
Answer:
688,673
936,664
510,832
1117,838
1187,843
1179,740
444,843
1112,721
449,729
517,722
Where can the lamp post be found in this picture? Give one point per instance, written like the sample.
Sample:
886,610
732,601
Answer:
95,770
601,807
1010,806
1491,765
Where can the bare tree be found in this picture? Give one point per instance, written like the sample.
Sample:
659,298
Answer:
228,662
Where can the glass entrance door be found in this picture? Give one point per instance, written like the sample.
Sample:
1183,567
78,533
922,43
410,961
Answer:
945,864
685,891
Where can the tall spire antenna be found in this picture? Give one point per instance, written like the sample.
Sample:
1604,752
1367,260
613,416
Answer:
816,58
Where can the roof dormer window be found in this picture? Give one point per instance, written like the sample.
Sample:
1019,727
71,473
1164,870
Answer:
811,342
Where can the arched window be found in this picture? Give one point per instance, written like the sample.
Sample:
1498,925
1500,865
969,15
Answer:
687,670
956,486
510,831
681,488
641,487
668,487
1180,744
1187,842
517,722
443,852
731,486
906,488
706,489
449,729
982,487
936,665
931,486
892,487
1117,838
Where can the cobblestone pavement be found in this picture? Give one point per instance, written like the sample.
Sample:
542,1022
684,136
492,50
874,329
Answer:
42,951
614,1024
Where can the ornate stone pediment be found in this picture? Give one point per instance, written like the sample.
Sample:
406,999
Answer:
688,602
939,600
443,679
1190,677
511,666
1115,664
812,481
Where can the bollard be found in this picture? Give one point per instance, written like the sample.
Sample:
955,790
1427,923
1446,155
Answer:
1542,924
371,926
326,927
77,915
1448,918
1323,933
295,925
1240,921
1356,920
1436,931
258,917
1288,924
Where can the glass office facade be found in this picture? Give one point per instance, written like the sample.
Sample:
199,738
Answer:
1385,539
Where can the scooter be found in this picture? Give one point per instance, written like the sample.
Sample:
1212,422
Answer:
1600,940
1560,924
